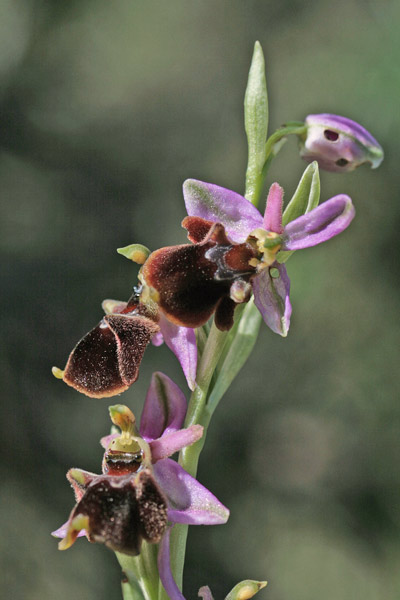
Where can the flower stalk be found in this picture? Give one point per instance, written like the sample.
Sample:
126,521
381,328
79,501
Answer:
200,410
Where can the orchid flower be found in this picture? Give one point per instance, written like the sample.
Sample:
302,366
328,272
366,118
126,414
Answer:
141,489
235,251
106,361
338,144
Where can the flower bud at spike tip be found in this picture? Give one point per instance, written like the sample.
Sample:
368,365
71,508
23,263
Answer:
338,144
135,252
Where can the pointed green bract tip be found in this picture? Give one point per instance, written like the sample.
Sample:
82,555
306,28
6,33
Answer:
135,252
58,373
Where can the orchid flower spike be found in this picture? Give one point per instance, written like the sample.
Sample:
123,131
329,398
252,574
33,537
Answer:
142,492
235,252
338,144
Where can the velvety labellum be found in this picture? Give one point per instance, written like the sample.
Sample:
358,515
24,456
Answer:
121,511
106,360
193,281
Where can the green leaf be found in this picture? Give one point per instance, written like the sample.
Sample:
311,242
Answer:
256,123
245,589
239,351
305,198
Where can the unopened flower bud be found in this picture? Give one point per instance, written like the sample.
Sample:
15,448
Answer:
338,143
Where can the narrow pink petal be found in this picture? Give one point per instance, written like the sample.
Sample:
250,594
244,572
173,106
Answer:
319,225
173,442
217,204
182,342
188,501
164,409
164,568
271,296
273,210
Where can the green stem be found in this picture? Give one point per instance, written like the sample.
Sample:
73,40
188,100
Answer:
141,574
254,191
212,349
279,134
189,456
209,360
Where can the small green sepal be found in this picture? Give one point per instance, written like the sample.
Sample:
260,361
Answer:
305,198
135,252
245,589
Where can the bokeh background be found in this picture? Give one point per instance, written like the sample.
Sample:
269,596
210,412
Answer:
106,107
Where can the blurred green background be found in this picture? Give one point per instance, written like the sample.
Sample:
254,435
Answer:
106,107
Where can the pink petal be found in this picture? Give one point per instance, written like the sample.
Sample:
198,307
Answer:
319,225
164,409
271,296
182,342
189,501
273,210
214,203
170,443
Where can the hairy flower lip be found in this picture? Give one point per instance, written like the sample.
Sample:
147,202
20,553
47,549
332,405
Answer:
193,281
106,360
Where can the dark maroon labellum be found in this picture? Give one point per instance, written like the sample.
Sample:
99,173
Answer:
106,360
193,281
122,511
